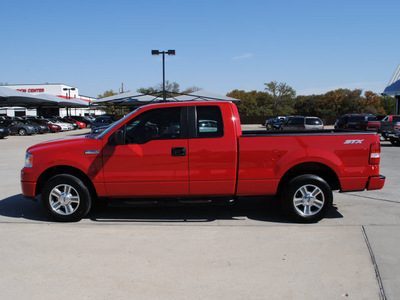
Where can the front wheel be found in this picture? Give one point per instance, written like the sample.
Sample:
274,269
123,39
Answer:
307,198
65,198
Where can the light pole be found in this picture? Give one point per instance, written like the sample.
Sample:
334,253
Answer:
169,52
69,95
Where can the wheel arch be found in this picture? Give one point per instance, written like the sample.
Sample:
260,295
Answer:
57,170
312,168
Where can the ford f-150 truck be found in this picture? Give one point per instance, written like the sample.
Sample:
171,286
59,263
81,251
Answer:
195,151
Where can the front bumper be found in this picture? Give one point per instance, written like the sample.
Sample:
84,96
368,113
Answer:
28,183
28,189
376,182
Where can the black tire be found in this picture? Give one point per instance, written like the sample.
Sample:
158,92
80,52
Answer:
307,198
22,132
394,141
65,198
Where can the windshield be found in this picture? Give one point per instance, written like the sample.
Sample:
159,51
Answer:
113,125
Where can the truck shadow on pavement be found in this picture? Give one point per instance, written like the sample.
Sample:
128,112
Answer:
20,208
257,209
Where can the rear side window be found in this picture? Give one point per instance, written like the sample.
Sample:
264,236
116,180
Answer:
396,119
313,121
209,122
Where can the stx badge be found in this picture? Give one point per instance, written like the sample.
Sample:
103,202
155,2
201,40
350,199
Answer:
353,142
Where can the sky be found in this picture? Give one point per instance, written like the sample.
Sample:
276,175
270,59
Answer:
313,46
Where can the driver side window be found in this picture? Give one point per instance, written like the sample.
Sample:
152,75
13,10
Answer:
156,124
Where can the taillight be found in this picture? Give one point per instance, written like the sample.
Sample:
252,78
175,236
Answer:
397,126
375,154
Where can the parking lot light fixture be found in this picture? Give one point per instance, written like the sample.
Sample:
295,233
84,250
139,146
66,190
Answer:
68,94
169,52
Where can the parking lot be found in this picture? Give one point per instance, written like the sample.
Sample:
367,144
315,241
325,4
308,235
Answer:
247,250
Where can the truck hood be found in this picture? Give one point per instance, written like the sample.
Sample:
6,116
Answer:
72,143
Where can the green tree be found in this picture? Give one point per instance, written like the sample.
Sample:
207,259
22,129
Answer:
280,93
371,104
172,87
252,103
107,94
339,102
310,105
147,91
388,104
191,89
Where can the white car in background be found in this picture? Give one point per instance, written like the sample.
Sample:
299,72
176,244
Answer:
64,126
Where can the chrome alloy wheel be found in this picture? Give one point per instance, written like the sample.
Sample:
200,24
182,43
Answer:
308,200
64,199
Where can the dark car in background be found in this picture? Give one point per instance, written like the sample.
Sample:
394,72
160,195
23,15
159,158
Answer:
274,123
355,121
302,123
105,120
17,127
4,131
101,123
41,128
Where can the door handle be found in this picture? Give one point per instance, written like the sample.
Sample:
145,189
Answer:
178,151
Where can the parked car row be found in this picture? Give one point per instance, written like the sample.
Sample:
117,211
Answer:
358,122
294,123
388,126
29,125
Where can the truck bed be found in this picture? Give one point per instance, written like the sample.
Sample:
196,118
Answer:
266,156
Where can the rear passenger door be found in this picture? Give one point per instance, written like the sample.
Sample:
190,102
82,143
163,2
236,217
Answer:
212,151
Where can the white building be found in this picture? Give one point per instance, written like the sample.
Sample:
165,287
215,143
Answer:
56,89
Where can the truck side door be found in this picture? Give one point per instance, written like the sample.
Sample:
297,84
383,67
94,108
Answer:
212,151
153,161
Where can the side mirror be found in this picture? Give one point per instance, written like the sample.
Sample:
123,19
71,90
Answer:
117,138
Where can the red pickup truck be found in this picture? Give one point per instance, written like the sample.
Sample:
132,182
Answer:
197,151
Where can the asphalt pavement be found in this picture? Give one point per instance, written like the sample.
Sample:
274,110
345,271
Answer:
246,250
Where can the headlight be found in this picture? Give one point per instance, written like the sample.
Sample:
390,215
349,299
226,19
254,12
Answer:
28,160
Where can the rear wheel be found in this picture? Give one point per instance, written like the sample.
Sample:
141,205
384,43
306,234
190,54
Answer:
307,198
22,132
65,198
394,141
